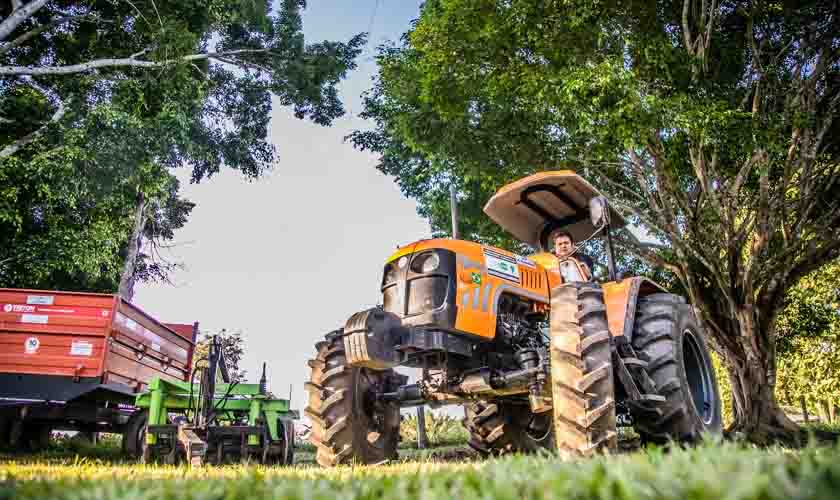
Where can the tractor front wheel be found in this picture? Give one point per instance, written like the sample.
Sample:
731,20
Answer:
581,371
348,424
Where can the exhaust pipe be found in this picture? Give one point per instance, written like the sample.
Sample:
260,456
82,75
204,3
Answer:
453,207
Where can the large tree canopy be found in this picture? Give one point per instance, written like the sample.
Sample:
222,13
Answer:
710,124
100,100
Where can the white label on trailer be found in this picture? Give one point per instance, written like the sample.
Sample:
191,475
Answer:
18,308
131,323
156,347
31,345
40,300
81,348
38,319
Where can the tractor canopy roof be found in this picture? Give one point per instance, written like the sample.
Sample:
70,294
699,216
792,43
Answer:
531,209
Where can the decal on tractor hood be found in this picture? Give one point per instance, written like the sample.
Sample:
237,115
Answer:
525,261
501,266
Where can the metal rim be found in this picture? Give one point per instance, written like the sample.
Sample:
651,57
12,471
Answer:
698,375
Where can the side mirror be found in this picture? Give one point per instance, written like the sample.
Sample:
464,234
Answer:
599,211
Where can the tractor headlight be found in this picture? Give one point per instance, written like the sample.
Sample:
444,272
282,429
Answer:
390,275
425,263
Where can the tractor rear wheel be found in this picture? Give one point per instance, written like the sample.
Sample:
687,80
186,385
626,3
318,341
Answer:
581,371
498,428
348,425
668,337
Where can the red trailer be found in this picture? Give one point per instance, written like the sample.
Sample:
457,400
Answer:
76,361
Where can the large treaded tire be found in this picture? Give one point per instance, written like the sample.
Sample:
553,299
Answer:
498,428
583,388
345,428
668,337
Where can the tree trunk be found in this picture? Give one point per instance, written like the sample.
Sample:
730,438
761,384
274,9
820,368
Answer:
758,416
126,289
822,406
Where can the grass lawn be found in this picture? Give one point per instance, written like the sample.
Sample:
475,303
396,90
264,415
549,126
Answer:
711,471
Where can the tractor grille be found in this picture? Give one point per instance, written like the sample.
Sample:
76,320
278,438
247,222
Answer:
421,298
531,279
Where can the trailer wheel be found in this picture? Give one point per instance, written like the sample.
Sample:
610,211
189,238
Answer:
39,437
134,434
581,371
5,425
29,436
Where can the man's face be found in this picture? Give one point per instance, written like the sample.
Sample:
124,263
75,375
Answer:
563,246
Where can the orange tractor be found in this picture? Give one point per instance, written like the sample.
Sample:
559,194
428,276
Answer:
538,356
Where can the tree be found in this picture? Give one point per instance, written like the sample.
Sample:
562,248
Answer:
106,98
233,346
710,124
808,340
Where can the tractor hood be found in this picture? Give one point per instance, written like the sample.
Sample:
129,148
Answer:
534,207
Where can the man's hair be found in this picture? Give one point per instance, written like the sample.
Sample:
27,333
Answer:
567,234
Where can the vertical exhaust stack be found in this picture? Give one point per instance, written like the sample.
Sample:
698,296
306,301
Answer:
453,205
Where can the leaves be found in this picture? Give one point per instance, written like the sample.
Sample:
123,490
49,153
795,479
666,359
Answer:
193,88
233,346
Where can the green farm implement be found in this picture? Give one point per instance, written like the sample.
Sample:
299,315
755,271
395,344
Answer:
214,421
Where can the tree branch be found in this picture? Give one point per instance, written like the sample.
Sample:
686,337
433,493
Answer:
123,62
685,26
28,138
37,31
18,16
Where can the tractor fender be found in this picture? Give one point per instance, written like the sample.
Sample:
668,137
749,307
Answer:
370,337
621,297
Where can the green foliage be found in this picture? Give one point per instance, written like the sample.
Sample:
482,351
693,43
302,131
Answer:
709,471
441,429
725,388
812,309
809,342
77,146
810,368
233,346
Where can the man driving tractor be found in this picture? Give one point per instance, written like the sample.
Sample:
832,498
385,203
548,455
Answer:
564,248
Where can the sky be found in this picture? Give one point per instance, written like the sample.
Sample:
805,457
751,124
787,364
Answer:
289,257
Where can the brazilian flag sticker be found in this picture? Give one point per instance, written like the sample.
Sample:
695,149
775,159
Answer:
476,278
